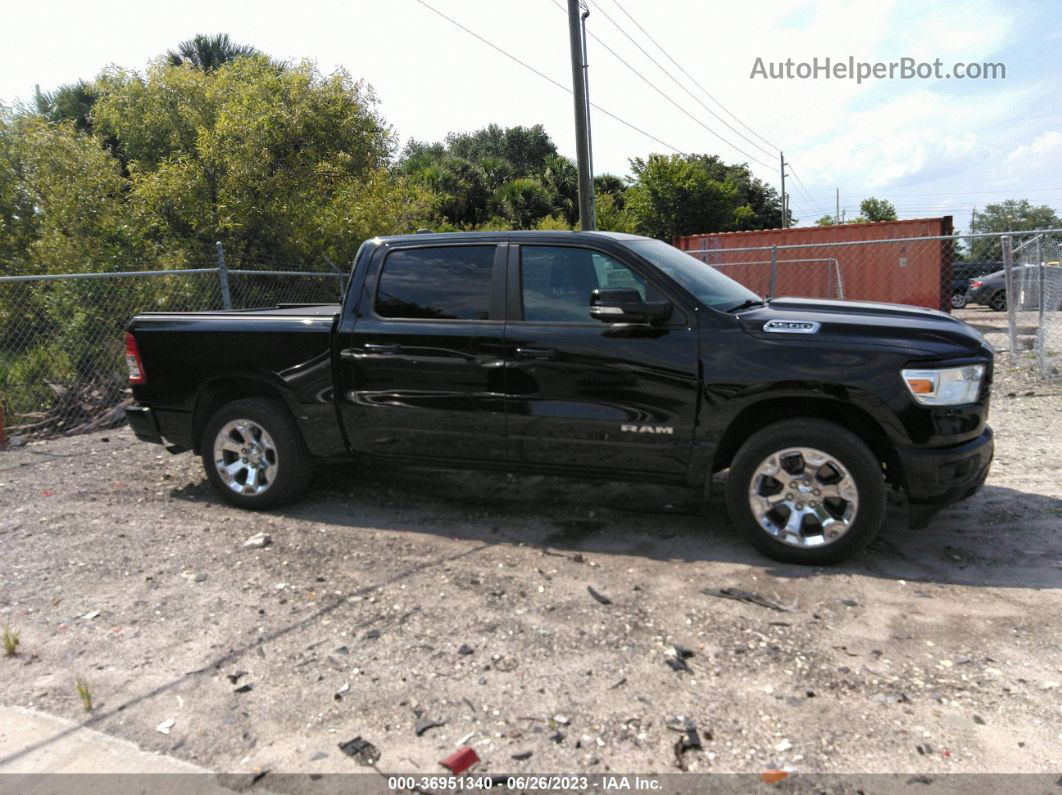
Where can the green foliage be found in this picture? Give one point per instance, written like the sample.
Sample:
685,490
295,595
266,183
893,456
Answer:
826,220
686,194
10,641
272,162
208,53
84,692
525,148
1012,215
872,209
71,102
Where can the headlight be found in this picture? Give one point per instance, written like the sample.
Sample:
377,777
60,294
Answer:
950,387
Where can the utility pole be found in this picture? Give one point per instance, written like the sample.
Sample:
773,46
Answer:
785,200
837,212
582,115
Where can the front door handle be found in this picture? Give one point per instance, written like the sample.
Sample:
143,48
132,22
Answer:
536,353
379,347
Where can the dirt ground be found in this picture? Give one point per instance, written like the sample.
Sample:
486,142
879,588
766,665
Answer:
936,650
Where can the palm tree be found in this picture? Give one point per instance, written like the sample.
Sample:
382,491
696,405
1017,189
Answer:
208,52
70,102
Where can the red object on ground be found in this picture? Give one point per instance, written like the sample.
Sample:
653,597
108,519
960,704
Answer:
918,272
461,760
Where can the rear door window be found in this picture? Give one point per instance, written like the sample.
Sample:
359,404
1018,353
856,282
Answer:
436,283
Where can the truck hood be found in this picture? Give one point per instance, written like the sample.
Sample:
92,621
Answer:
911,329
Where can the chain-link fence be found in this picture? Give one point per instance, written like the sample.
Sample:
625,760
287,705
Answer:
949,272
61,343
1033,281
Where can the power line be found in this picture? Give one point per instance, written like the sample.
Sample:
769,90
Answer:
546,77
692,95
800,184
694,80
659,91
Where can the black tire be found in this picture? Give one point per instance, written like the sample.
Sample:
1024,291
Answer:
291,461
998,302
958,300
840,444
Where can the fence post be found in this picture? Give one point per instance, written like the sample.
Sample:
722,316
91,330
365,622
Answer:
223,276
772,286
1008,279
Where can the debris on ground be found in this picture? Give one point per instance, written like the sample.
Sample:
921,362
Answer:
520,756
783,746
247,688
925,749
258,541
505,664
236,676
563,720
774,776
165,726
426,725
91,615
362,750
750,597
689,741
460,760
464,650
676,658
598,596
343,688
557,737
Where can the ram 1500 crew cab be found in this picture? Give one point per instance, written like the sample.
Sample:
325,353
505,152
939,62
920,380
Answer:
584,354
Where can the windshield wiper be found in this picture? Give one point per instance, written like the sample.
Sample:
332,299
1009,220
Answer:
746,304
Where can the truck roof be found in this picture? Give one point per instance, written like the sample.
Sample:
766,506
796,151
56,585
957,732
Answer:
531,234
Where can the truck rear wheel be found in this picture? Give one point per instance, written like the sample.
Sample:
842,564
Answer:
254,454
806,491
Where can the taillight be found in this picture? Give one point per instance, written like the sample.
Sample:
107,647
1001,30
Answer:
133,361
975,283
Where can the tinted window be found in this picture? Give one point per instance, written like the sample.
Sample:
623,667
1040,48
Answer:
445,283
708,284
557,282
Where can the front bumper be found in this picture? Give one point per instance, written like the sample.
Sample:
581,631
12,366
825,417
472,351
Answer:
942,475
145,427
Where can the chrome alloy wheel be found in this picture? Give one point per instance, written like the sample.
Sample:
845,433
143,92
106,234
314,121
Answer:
803,497
245,457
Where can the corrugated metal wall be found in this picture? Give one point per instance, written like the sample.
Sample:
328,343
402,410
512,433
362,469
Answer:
901,271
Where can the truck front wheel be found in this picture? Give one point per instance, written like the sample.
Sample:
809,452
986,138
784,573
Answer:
806,491
254,454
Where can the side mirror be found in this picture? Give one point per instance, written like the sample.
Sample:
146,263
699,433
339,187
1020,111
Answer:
625,305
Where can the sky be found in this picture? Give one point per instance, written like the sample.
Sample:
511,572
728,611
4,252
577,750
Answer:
933,147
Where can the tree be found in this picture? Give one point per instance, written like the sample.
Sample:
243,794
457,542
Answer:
826,220
208,53
524,201
872,209
526,148
70,102
1012,215
284,166
688,194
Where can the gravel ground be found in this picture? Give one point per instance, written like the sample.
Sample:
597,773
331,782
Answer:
390,598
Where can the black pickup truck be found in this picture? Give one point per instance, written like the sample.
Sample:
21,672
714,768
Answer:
586,354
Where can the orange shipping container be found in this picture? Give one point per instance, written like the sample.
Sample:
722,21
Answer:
902,269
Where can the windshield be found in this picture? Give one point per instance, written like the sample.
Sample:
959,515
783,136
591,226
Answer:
705,282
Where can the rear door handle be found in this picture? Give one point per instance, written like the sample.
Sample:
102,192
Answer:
536,353
379,347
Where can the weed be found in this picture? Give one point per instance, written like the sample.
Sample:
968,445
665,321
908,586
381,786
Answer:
84,691
10,642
